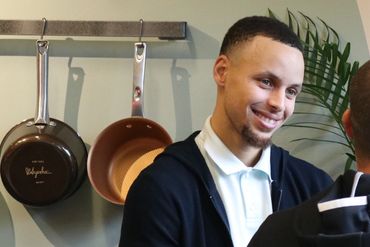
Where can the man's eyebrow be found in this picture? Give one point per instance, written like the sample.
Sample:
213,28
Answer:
268,74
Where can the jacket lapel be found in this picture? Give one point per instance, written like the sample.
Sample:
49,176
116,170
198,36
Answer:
192,158
277,159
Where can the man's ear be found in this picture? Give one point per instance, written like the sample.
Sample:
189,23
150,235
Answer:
220,69
346,120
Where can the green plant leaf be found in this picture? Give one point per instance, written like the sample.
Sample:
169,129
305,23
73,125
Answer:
313,123
292,17
350,161
328,73
313,127
329,31
321,140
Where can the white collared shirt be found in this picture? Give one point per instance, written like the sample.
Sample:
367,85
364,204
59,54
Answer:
245,191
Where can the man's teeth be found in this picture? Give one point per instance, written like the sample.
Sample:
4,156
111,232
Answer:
265,119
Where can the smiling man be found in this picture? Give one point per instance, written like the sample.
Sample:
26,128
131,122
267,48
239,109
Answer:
216,187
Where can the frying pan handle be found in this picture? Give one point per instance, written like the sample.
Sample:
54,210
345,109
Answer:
42,111
138,80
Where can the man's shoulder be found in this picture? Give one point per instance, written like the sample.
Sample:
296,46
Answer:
285,227
296,174
280,228
291,162
276,230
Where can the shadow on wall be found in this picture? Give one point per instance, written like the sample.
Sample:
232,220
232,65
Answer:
181,94
7,235
73,222
200,45
76,77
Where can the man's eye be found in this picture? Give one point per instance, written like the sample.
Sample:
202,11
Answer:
292,92
266,82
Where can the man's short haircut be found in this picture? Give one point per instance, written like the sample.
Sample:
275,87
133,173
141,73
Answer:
359,97
249,27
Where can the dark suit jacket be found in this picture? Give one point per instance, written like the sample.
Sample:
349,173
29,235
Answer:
305,226
174,202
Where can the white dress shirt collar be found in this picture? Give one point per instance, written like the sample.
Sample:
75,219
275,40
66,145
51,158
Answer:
226,161
245,191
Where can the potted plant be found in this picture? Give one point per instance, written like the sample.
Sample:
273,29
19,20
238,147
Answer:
327,75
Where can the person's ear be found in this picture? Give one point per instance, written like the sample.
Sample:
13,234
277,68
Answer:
220,69
346,120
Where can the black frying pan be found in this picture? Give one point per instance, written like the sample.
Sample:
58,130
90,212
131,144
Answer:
43,160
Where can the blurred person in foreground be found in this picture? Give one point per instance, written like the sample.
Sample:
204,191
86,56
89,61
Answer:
216,187
340,215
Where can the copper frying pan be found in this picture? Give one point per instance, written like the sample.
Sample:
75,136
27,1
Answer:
122,143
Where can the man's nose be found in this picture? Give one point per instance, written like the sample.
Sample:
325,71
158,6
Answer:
277,100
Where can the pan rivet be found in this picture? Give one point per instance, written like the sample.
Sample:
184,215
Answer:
129,126
137,94
148,126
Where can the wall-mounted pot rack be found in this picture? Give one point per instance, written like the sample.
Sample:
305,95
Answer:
162,30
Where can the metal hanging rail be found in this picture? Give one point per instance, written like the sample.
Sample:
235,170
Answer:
161,30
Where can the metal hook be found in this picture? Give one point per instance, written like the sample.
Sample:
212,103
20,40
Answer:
141,29
43,28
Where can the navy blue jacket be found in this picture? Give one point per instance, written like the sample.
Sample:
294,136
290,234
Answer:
304,225
174,202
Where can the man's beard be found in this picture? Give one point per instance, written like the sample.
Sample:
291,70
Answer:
255,140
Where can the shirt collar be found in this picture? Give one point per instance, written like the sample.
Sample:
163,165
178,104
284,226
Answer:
225,160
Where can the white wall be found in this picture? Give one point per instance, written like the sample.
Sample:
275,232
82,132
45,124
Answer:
364,7
180,92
